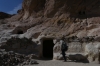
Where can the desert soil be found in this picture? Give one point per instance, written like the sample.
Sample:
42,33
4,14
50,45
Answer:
61,63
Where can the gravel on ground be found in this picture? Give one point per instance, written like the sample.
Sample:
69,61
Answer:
61,63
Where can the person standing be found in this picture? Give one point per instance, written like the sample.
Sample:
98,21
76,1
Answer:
64,48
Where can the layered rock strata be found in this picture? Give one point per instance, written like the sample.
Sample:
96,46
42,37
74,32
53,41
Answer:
78,21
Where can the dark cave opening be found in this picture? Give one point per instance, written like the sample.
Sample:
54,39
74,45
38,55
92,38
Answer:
48,48
84,13
20,32
81,13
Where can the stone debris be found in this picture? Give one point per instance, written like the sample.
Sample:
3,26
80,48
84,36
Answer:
13,59
49,19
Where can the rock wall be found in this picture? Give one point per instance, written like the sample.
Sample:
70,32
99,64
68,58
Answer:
22,46
92,50
78,21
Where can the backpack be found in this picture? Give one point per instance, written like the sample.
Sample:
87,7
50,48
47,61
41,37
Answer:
64,46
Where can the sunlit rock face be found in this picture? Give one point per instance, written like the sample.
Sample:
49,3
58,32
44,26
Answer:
78,21
78,18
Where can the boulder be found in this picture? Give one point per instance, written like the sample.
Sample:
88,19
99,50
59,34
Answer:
92,51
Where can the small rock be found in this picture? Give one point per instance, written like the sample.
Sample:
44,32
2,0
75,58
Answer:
33,62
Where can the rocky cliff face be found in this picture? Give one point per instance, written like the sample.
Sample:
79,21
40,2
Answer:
63,17
78,20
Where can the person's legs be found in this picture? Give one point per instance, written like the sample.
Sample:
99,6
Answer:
63,54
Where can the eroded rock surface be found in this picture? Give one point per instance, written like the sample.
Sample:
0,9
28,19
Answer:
78,21
15,59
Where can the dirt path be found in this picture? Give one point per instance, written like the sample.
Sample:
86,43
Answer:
61,63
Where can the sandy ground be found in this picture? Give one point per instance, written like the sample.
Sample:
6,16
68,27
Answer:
61,63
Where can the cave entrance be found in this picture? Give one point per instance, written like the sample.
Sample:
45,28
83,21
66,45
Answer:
19,32
48,48
81,12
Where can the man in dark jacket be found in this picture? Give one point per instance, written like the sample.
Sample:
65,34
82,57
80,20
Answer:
64,48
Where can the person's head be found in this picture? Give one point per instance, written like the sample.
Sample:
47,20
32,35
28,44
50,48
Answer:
63,37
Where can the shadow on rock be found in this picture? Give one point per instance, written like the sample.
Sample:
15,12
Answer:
78,58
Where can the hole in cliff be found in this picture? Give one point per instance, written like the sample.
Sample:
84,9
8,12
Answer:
48,48
81,13
20,32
